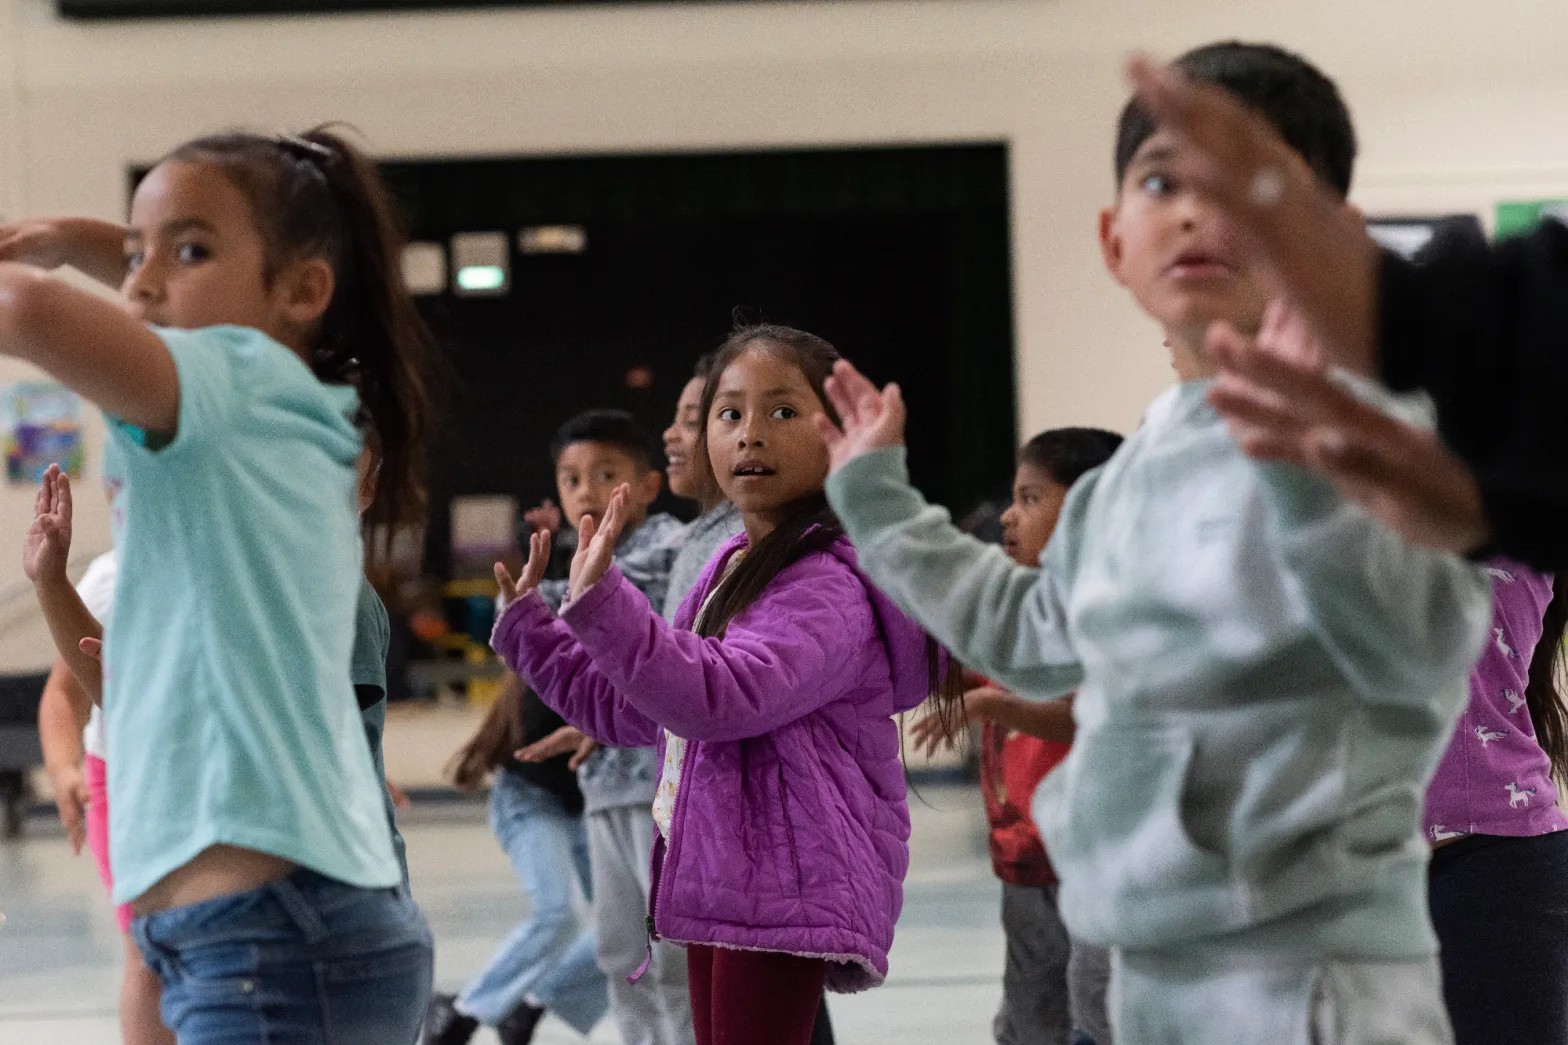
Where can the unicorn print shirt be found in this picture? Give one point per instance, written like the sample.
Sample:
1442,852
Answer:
1494,778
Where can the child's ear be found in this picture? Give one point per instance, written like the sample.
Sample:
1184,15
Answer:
647,491
1111,244
308,286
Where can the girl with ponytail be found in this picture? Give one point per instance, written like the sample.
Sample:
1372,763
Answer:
264,332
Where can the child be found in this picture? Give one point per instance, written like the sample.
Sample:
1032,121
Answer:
705,535
1499,837
1265,675
1021,742
595,453
546,963
1479,327
263,306
70,727
783,827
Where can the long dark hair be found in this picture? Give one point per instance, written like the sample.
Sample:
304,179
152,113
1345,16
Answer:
316,195
1548,666
810,524
498,736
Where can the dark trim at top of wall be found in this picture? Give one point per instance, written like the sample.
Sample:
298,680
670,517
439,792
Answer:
122,9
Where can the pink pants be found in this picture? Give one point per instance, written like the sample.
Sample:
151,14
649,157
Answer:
98,830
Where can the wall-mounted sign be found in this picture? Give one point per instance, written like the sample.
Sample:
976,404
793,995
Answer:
1522,216
43,426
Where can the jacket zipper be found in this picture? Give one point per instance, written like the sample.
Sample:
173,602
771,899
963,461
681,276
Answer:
660,888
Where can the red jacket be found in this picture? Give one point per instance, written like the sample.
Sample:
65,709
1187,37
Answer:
1012,765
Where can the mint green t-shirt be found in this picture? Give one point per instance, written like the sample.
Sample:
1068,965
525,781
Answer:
227,698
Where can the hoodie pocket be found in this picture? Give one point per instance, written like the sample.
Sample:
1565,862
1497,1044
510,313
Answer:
1112,818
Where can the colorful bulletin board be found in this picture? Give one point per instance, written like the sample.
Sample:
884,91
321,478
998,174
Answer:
43,426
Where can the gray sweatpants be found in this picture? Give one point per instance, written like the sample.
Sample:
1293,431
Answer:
1088,978
656,1010
1177,998
1034,980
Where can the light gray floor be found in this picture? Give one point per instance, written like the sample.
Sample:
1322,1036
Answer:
59,950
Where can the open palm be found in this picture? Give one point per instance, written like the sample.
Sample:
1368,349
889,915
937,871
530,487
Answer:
869,419
48,544
596,544
532,572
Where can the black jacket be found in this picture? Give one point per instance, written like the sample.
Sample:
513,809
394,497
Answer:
1483,328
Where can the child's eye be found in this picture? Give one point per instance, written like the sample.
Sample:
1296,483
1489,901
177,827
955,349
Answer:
190,253
784,413
134,258
1158,184
729,413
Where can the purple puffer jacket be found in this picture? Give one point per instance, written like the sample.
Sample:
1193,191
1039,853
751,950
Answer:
791,830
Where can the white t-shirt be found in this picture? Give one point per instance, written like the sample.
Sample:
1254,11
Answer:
97,591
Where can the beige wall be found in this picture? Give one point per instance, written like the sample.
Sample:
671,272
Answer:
1458,106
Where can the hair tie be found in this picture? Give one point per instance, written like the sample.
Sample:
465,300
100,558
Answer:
304,149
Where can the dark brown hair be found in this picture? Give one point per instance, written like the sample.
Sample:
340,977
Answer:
810,525
498,736
1547,667
316,195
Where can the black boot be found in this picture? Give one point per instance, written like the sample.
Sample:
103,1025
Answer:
444,1025
518,1028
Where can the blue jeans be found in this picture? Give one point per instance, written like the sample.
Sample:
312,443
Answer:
306,960
548,959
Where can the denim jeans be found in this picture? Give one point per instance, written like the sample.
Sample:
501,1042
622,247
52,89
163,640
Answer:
548,960
306,960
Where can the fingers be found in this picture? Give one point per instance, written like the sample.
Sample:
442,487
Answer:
92,648
894,413
837,389
586,528
615,515
831,434
62,496
585,748
503,577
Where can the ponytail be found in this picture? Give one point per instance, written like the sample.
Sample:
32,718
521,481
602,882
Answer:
1547,669
317,195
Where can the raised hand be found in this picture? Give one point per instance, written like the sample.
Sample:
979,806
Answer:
88,245
596,544
48,544
1282,405
868,419
532,572
546,517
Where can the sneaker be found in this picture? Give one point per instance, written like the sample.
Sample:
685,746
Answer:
444,1025
518,1028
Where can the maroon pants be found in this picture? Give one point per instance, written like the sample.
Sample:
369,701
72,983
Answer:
753,997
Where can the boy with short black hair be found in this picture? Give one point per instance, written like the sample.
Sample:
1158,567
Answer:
1265,675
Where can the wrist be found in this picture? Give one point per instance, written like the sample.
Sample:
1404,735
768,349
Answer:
50,580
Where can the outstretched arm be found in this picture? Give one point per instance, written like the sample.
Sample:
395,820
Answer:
92,247
1006,620
91,345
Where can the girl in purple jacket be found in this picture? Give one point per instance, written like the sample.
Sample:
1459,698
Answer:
781,808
